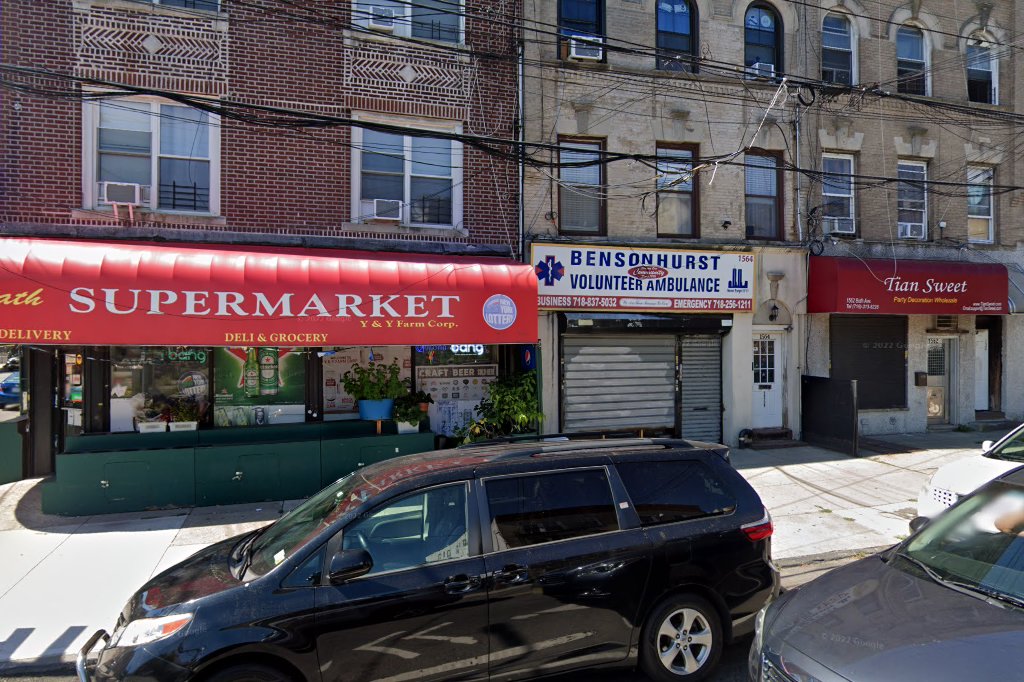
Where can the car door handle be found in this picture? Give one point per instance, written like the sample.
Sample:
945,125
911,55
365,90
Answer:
455,584
511,574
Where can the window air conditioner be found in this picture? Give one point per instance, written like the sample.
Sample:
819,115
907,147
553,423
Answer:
588,48
120,193
382,19
838,226
387,209
911,230
761,70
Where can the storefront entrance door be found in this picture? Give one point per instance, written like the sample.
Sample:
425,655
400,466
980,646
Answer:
767,398
981,392
940,361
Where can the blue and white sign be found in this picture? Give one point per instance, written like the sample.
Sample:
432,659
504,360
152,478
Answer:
499,312
585,277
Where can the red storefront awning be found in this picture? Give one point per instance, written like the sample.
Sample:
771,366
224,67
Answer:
906,287
99,293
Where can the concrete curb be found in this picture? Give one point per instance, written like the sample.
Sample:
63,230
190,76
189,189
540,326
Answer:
46,665
827,557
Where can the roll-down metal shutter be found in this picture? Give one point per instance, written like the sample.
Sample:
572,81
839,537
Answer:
612,382
701,359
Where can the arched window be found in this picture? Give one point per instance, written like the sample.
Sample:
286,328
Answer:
910,61
677,35
982,71
837,49
762,42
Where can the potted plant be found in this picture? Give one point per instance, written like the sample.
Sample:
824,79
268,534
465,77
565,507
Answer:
422,399
408,414
511,406
374,388
184,415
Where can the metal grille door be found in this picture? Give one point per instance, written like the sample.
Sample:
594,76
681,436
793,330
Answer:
612,382
702,387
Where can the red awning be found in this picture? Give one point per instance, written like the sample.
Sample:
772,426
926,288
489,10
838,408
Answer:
99,293
906,287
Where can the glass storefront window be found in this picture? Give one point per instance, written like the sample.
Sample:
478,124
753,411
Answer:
259,386
151,387
456,377
336,361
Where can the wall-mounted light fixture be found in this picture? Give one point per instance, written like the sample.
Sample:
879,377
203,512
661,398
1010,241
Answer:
727,224
773,313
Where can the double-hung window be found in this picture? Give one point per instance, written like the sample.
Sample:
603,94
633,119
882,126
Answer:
762,42
581,186
763,196
981,73
208,5
836,50
912,203
837,195
581,27
677,24
980,214
439,20
677,201
152,154
910,61
407,179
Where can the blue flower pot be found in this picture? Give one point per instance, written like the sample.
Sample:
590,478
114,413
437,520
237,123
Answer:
376,409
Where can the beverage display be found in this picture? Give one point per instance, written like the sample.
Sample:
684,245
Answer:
269,370
251,374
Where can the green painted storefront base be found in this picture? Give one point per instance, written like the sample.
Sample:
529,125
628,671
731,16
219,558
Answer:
107,473
10,452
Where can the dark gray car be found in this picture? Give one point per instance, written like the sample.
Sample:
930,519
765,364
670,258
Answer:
945,604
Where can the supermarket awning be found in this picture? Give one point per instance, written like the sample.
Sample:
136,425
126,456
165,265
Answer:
906,287
104,293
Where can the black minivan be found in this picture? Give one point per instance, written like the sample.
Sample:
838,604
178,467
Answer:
504,561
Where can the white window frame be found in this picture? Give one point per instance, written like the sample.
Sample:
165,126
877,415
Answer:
993,64
402,21
926,50
924,210
358,214
189,9
90,157
854,39
852,196
973,173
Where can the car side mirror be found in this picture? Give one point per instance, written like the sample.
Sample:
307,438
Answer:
348,564
987,445
918,522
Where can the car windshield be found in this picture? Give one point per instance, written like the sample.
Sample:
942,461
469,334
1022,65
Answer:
291,532
1012,449
978,544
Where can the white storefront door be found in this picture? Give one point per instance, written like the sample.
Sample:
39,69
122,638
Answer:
768,373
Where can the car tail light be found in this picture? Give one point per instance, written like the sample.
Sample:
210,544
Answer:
759,530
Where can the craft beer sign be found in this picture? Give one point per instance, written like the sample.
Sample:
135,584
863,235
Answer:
582,277
54,292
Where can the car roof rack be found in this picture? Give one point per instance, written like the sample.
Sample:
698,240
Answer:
554,437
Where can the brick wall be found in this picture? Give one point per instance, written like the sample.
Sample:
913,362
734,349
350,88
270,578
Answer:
273,180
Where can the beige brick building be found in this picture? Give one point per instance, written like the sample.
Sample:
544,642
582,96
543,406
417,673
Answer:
717,123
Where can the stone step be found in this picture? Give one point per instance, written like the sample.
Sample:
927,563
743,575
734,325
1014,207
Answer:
774,443
771,434
1003,425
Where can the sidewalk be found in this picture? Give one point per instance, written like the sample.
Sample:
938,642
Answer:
61,578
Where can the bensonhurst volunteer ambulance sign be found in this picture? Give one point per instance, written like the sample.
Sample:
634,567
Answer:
92,293
583,277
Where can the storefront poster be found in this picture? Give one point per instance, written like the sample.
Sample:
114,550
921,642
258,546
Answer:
906,287
585,277
235,406
456,391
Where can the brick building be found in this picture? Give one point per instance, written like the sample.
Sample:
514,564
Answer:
303,144
890,138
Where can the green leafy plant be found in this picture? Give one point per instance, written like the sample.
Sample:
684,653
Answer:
185,410
421,398
376,381
511,406
407,409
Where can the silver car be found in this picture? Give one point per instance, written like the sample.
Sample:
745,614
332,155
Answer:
945,604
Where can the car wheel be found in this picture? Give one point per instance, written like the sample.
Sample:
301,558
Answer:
682,639
249,672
